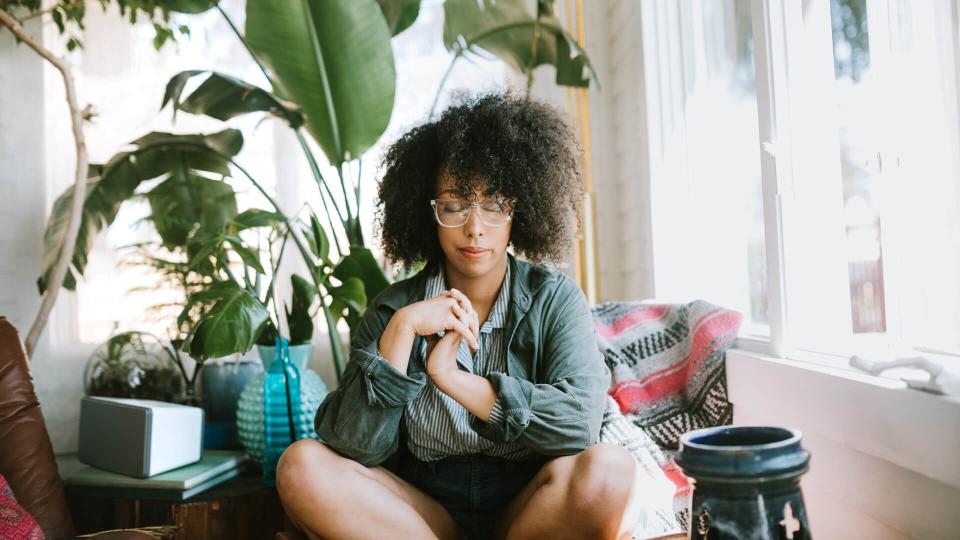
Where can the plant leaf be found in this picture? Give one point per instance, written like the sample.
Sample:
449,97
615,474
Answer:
231,319
351,294
359,263
249,257
333,57
298,316
506,29
400,14
110,185
318,238
255,217
224,97
185,202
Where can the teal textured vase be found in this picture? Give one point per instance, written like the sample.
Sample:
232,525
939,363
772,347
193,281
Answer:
250,409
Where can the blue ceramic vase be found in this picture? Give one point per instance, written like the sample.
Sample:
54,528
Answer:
746,483
221,383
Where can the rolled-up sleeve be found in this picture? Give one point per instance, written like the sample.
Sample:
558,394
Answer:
386,386
361,418
562,415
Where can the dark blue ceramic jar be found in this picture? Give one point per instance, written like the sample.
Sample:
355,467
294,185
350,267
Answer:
746,483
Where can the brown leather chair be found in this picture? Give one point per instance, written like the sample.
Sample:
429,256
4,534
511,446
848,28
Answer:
26,454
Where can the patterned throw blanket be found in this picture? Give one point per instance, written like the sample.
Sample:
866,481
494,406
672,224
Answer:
667,362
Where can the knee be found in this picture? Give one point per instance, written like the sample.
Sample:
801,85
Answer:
601,479
299,461
602,467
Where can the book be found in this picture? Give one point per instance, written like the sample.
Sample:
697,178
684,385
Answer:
214,467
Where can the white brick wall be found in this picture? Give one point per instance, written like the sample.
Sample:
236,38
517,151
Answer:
620,171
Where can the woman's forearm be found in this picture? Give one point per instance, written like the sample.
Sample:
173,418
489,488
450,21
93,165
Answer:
396,342
475,393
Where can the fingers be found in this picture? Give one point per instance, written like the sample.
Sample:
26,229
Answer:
465,303
461,327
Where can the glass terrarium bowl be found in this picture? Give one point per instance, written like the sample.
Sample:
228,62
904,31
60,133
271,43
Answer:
134,365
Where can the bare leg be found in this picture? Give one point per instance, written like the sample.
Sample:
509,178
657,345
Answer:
333,497
580,496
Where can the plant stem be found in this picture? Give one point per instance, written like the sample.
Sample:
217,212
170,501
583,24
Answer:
335,345
353,222
79,185
533,52
246,46
456,56
273,279
322,185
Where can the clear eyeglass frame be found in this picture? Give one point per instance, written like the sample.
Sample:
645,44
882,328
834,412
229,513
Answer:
481,212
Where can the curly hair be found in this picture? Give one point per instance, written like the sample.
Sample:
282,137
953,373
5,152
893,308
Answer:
497,144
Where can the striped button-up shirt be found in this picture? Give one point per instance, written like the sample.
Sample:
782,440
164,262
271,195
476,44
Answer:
437,425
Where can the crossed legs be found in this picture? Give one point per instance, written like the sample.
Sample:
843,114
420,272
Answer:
587,495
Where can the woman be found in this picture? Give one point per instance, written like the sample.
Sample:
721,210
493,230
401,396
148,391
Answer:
480,376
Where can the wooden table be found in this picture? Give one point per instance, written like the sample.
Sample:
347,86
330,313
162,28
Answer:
241,509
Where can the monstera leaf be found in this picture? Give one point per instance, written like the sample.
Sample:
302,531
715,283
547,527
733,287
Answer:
224,97
507,29
349,301
230,320
152,156
334,58
361,264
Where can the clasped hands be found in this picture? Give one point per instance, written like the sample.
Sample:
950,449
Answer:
452,313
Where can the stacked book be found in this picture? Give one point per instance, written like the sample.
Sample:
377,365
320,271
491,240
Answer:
214,468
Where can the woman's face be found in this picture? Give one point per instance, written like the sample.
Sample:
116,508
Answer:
473,249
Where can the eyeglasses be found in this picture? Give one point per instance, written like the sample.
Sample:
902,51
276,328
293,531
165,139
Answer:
456,212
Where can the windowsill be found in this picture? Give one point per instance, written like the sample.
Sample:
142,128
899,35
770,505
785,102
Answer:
877,416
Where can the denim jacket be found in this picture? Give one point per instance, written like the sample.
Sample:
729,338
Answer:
553,393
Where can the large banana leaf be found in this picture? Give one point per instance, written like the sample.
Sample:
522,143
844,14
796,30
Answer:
400,14
231,319
506,28
152,156
223,97
333,57
186,201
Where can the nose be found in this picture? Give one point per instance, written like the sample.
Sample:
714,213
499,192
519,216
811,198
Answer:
474,227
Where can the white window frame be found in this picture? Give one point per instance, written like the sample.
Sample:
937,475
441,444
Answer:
787,378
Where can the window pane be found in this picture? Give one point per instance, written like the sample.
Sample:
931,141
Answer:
861,131
923,208
896,81
714,234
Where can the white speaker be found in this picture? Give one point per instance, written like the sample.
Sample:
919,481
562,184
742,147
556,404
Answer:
139,437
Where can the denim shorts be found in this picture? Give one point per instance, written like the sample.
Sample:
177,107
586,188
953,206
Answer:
474,489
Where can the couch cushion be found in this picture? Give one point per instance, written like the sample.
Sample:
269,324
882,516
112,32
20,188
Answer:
26,455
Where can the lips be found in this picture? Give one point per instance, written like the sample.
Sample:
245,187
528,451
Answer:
473,253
